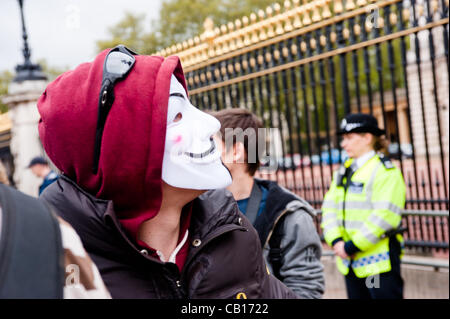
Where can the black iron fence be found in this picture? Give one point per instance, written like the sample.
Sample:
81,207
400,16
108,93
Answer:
302,69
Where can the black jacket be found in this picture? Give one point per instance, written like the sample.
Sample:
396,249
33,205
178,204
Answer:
227,262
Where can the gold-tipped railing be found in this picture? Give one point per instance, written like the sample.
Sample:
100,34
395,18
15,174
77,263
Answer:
270,24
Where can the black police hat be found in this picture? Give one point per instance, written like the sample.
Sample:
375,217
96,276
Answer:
37,160
360,123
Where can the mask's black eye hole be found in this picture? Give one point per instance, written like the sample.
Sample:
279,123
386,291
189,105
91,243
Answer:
178,117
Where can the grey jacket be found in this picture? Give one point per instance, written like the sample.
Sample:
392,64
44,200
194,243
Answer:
301,249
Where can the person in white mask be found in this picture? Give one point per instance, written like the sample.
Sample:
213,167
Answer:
143,183
191,157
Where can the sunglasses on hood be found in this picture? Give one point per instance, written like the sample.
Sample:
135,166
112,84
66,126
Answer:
118,63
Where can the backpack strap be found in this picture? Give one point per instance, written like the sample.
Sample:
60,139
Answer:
31,252
275,258
253,203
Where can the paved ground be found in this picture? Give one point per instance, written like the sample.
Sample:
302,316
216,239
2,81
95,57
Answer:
420,282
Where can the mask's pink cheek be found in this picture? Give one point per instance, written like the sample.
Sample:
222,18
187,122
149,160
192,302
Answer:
177,139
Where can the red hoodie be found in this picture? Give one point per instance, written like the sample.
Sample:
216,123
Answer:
133,140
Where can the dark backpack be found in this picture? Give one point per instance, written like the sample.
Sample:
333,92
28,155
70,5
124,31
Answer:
31,252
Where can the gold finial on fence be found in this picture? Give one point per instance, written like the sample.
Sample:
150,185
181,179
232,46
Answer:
380,23
316,15
276,54
368,26
223,29
294,49
279,28
239,41
346,33
338,8
419,9
361,3
232,43
393,18
230,68
406,14
312,43
333,36
297,21
237,67
245,21
323,40
270,31
225,45
262,33
260,59
349,5
287,5
277,8
434,6
209,33
254,38
303,46
288,25
357,29
245,64
306,17
326,13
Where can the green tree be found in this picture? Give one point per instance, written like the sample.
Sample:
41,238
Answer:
130,31
5,78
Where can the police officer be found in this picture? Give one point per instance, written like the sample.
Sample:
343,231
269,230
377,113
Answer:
362,213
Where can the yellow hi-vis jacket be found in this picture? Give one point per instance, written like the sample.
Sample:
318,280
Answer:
363,213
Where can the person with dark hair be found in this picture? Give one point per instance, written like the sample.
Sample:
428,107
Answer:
143,183
284,221
39,166
362,213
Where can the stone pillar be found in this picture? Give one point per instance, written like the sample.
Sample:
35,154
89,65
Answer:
25,143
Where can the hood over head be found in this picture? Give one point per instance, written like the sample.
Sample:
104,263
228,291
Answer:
132,147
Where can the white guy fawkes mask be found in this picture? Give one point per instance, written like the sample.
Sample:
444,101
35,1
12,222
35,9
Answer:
191,157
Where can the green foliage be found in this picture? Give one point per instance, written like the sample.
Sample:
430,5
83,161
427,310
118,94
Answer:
5,78
130,31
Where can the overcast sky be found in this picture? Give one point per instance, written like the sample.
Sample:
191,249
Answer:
63,32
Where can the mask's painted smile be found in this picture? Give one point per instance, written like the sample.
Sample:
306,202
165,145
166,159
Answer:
204,154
